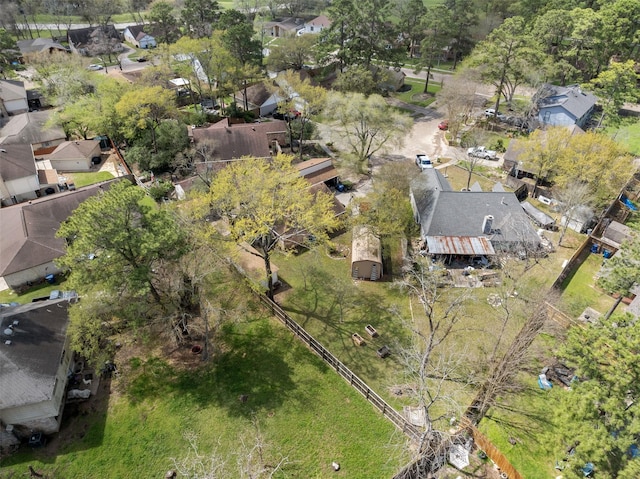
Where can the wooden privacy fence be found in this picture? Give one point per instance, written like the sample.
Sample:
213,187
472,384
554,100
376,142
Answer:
491,450
358,384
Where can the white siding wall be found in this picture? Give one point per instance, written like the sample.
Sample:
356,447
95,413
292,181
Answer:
32,274
76,164
23,188
16,106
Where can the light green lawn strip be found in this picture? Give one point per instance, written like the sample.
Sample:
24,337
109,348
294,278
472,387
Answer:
580,290
85,179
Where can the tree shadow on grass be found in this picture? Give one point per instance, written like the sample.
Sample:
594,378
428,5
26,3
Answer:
250,375
332,310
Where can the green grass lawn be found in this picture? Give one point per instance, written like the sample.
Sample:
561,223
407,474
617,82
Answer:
304,410
84,179
414,96
533,453
580,290
629,136
38,291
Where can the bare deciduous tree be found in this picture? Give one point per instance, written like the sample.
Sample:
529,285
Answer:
431,367
570,198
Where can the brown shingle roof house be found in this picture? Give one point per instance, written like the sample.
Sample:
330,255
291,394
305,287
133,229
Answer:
245,139
28,241
73,155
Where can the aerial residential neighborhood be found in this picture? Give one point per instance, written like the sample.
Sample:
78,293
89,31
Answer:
320,239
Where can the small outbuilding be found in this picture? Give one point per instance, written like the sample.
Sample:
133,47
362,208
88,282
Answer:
366,254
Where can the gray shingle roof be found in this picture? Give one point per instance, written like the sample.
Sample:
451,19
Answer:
16,161
444,212
30,128
28,366
571,98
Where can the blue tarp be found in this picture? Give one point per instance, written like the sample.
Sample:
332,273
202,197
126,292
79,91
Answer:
543,382
628,203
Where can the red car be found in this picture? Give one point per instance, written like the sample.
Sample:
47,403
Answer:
443,125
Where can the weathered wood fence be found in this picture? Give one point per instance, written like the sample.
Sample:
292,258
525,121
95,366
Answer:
491,450
358,384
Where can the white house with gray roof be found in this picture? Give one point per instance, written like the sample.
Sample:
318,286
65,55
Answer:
564,105
469,223
35,360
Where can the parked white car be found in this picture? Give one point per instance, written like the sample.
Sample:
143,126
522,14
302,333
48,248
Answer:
482,152
95,67
424,162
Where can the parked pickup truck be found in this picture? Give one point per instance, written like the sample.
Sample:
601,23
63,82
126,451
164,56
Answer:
424,162
482,152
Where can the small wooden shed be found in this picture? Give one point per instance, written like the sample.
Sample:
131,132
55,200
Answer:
366,254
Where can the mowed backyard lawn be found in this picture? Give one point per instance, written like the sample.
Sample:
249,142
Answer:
305,412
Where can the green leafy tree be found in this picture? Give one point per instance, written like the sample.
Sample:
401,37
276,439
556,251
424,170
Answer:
8,48
552,29
291,53
542,152
462,14
118,244
600,415
267,202
238,37
165,24
356,79
143,109
362,32
300,95
615,86
171,138
199,15
507,58
367,124
621,272
585,43
619,28
411,14
596,160
436,25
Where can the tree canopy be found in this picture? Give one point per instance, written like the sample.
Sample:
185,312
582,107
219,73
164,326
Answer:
118,243
599,416
367,124
268,204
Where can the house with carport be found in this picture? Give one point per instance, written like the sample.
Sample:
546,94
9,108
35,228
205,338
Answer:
284,27
465,224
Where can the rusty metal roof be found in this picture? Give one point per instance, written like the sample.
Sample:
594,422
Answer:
463,245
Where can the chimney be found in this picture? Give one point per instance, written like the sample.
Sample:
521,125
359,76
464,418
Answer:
487,224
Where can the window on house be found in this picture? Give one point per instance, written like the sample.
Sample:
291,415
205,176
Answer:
547,116
311,27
